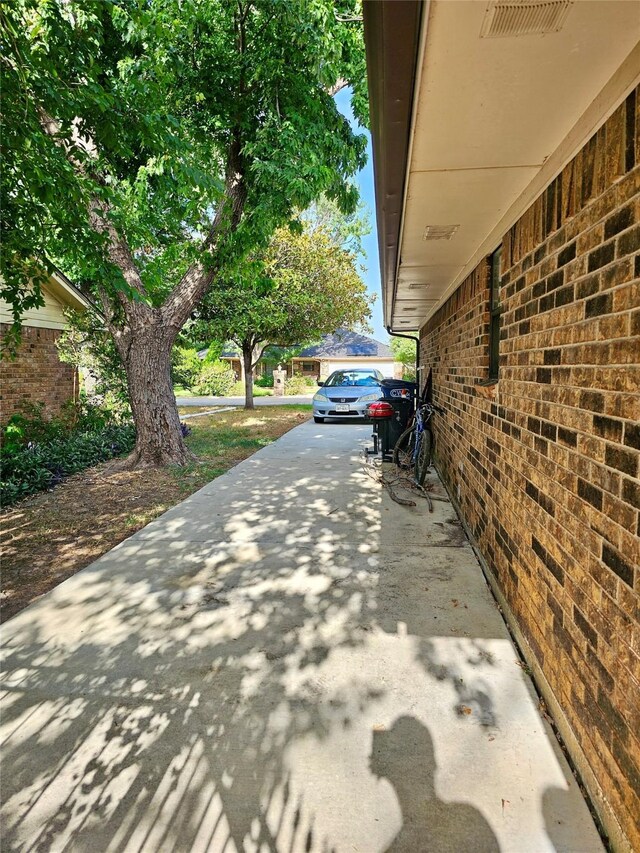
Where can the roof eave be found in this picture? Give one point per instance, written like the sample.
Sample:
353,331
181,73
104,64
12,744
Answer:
391,78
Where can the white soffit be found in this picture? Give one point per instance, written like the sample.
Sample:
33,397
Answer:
67,294
488,114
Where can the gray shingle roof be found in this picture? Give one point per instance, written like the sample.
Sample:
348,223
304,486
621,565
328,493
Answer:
346,344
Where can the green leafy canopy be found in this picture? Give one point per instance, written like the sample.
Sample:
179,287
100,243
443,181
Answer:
146,99
304,286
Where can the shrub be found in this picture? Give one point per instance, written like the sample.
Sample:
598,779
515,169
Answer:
265,381
86,344
38,466
297,385
32,426
216,379
38,452
185,366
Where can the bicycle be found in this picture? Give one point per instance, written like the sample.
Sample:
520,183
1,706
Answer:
415,445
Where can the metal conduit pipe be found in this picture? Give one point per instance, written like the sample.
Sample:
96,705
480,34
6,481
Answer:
417,342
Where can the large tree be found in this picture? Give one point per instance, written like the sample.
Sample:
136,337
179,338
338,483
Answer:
147,146
304,286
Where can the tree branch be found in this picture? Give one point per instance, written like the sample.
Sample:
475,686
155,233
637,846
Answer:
197,279
338,86
118,250
259,356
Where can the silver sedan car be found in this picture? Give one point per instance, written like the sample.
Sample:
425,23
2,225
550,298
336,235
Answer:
346,394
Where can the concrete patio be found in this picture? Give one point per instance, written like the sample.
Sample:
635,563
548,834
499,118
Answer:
287,661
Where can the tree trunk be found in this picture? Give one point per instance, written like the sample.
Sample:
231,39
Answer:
247,362
147,361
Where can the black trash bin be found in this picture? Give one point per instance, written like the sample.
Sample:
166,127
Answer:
392,417
402,396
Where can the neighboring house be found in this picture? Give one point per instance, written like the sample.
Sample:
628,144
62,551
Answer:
232,355
345,349
342,349
36,374
507,170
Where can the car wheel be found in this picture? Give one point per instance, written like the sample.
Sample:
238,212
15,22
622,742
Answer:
318,420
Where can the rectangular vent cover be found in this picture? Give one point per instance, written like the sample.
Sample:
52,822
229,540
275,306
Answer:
512,18
439,232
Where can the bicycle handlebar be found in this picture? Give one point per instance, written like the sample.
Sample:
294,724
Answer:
440,409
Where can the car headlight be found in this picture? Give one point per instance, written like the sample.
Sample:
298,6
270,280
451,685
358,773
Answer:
369,398
320,396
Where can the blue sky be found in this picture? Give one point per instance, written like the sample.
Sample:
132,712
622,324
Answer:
369,259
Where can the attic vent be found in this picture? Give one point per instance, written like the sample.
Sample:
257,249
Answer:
416,285
439,232
524,17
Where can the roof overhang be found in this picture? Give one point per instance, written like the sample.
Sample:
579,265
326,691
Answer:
67,293
468,130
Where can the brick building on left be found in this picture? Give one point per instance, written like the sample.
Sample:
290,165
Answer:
36,373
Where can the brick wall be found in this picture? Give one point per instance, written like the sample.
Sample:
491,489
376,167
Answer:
544,464
36,374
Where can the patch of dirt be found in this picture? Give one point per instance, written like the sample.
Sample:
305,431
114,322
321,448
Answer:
49,537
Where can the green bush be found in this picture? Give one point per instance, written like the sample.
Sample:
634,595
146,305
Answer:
185,366
38,466
216,379
86,344
32,426
265,381
297,385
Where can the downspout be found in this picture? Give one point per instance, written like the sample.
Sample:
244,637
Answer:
417,343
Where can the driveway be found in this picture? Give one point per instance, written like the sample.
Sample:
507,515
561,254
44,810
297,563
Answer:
287,661
239,401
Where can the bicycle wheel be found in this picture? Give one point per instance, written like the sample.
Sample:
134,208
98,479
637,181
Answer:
423,458
404,446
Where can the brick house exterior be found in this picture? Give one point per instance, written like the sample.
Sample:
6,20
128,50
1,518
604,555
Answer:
544,464
36,374
541,452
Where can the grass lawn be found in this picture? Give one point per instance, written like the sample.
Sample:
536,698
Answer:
49,537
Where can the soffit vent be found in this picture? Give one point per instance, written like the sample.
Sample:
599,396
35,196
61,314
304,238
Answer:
512,18
439,232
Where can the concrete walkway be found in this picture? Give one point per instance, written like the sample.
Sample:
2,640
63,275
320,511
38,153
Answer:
287,661
239,401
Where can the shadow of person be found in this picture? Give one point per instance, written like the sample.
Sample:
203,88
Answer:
404,755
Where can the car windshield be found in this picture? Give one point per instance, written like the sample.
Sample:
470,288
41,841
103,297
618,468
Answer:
351,377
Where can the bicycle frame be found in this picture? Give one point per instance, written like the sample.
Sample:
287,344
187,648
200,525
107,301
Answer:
424,413
418,447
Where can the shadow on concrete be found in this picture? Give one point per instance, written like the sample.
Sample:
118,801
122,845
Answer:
404,756
214,683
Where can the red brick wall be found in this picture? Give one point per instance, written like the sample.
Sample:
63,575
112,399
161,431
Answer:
546,472
36,374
